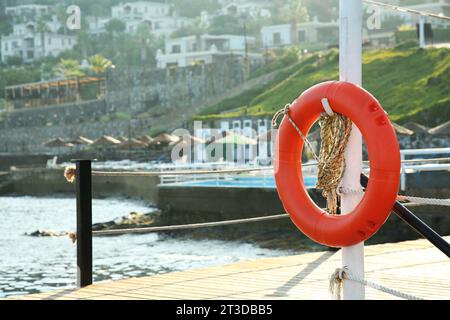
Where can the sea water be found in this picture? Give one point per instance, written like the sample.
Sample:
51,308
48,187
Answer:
38,264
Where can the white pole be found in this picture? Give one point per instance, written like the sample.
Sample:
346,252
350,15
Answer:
350,66
422,32
403,174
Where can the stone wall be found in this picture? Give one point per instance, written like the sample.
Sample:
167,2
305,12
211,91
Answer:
54,115
140,90
135,101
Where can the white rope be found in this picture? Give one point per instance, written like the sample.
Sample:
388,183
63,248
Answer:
188,226
406,200
346,190
429,201
408,10
170,173
422,160
341,274
222,171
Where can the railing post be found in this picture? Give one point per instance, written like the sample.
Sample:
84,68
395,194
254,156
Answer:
422,32
403,173
84,222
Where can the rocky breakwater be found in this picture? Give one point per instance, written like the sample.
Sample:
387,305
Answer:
133,220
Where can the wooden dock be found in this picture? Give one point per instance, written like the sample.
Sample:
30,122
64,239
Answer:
411,267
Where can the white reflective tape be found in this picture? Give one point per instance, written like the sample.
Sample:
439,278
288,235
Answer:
326,107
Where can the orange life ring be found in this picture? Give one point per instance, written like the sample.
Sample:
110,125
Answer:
384,155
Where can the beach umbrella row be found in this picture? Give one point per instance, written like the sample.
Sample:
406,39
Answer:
122,142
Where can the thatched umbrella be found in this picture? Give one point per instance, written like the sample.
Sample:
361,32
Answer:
235,138
188,139
58,143
131,144
441,130
105,141
402,131
122,138
231,141
145,138
416,128
81,140
164,138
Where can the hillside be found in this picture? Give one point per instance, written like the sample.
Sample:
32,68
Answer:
411,84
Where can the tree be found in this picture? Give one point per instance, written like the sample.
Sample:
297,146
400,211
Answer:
193,8
69,68
84,44
61,15
115,26
99,64
47,71
5,20
144,37
42,28
293,13
324,10
195,29
14,61
226,24
392,23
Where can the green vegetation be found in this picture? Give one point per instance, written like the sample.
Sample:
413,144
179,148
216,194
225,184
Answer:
122,116
410,83
119,116
155,130
193,8
69,68
99,64
439,35
13,76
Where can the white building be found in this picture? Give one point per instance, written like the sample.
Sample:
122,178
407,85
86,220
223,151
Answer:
27,12
96,24
29,43
238,8
141,10
253,9
306,32
160,27
160,17
190,50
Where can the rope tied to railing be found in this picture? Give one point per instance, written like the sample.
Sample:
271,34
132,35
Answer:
70,174
335,130
73,236
284,112
341,274
424,201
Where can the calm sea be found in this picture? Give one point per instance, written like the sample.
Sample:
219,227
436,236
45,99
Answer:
36,264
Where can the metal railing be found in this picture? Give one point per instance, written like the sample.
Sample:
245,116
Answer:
84,222
410,168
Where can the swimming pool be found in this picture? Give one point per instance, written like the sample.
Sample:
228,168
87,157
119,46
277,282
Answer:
239,182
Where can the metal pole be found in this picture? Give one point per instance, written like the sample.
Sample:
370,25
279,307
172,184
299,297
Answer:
403,174
350,66
84,222
422,32
418,225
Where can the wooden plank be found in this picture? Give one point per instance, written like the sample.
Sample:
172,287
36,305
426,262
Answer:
412,267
